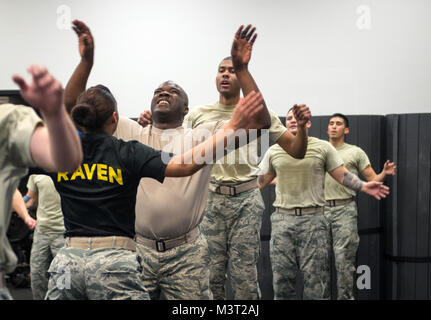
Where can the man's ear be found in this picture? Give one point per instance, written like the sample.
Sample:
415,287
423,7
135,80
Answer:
346,130
308,124
186,110
115,117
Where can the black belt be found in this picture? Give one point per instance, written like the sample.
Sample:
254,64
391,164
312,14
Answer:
300,211
163,245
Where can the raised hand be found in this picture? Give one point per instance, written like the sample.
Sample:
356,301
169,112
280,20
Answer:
376,189
242,46
85,39
44,93
302,114
145,118
246,111
389,168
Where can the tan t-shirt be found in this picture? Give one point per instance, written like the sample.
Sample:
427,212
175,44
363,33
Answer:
49,215
242,164
17,124
300,183
171,209
355,160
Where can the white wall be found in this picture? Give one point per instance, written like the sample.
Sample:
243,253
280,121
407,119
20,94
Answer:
350,56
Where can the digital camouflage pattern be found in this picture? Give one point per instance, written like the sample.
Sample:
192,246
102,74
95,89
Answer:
343,224
43,250
180,273
98,274
300,243
232,225
4,294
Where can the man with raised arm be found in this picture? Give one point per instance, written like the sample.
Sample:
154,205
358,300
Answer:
233,215
173,252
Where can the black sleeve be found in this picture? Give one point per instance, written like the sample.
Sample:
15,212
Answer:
148,162
36,170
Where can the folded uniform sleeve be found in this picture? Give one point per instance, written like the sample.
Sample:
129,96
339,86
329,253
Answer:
20,123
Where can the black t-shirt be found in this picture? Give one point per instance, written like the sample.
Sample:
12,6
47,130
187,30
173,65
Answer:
99,198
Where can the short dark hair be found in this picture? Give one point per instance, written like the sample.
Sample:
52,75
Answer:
227,58
342,116
291,108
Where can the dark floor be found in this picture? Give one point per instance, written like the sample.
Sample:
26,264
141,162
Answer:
20,293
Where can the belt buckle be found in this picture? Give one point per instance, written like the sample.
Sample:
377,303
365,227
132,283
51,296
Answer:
298,212
332,203
222,188
160,246
229,188
217,189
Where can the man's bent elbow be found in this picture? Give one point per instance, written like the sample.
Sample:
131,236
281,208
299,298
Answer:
71,166
297,154
302,154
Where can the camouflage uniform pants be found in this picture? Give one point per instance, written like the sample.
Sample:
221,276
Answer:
5,294
300,243
181,273
232,225
43,250
98,274
343,221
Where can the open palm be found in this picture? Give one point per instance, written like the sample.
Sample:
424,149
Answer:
242,46
390,168
376,189
85,38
